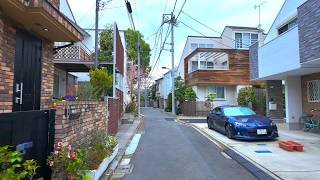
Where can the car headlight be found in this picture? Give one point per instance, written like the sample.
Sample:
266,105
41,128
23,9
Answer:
239,124
273,123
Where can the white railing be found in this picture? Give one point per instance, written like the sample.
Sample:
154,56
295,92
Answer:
74,53
240,44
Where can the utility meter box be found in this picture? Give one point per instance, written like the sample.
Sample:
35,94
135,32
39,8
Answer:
272,106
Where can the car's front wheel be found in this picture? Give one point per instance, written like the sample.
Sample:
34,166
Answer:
228,131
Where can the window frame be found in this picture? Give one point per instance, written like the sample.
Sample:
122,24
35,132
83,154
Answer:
250,39
289,25
215,87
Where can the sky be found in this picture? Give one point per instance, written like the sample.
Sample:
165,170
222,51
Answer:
147,16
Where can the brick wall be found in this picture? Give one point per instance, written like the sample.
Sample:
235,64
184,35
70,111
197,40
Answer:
7,44
309,25
47,74
307,106
115,106
94,116
253,61
274,92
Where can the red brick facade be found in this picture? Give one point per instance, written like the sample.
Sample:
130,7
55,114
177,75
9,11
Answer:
116,111
7,44
307,106
93,117
7,58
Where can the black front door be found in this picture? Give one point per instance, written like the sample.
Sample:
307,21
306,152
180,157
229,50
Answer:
27,72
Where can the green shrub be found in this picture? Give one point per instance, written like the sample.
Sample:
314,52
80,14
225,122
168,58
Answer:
12,167
190,95
247,97
169,103
101,81
97,147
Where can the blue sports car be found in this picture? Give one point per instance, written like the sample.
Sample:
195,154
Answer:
241,123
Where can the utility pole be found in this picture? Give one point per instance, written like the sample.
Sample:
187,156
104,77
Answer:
170,19
139,78
96,62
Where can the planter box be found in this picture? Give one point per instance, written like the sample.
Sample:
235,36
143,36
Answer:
296,146
96,174
286,146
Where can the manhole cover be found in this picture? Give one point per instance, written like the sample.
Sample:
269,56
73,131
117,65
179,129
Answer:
169,119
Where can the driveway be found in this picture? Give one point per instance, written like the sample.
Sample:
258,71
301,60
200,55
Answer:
170,150
268,156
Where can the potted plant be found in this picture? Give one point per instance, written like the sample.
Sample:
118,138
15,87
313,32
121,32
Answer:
209,100
12,166
67,161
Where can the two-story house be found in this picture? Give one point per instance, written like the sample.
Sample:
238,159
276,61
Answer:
218,65
28,30
290,55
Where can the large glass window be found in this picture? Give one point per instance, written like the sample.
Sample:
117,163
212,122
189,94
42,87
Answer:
218,90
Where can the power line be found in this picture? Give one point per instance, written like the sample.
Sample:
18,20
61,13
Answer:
174,7
222,35
181,8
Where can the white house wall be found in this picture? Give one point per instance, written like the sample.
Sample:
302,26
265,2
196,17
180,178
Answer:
230,95
279,55
288,11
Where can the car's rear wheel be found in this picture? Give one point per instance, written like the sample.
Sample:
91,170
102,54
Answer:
228,131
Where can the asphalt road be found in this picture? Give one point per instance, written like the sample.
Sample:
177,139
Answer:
170,150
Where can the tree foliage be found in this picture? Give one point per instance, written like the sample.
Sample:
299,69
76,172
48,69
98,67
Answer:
190,95
101,81
169,103
247,97
106,45
132,49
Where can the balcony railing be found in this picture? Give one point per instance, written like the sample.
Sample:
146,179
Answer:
73,53
240,44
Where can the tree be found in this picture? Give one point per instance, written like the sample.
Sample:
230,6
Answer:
179,89
106,45
210,98
101,81
169,103
132,49
190,95
131,37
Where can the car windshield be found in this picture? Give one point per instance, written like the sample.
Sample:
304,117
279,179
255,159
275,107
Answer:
238,111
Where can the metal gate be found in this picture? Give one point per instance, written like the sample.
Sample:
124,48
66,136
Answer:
32,133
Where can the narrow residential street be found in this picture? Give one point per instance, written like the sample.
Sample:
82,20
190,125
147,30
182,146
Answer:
170,150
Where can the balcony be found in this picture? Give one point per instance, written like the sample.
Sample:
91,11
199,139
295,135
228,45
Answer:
74,58
207,66
279,55
43,18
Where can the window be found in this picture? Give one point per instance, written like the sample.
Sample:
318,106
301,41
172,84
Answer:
293,23
202,45
203,64
209,45
313,91
218,90
245,40
194,46
194,65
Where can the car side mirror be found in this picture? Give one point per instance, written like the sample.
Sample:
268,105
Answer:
218,113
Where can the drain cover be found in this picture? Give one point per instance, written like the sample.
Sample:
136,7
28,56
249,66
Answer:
169,119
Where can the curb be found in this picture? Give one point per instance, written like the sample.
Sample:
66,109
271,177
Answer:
113,166
255,169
